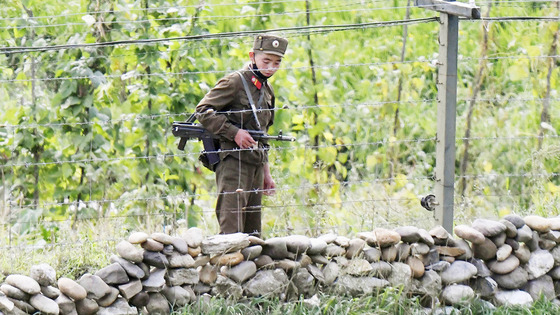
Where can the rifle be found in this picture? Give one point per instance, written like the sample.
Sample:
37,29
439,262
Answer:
189,130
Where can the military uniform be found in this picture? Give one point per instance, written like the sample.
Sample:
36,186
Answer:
223,111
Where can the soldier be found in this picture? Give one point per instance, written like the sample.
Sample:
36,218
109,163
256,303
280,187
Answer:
243,100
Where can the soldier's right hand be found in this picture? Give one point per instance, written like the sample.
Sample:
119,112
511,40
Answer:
244,139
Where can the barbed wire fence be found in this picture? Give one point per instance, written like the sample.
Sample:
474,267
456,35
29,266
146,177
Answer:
344,205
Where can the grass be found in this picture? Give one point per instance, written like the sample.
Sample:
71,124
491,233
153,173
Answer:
390,301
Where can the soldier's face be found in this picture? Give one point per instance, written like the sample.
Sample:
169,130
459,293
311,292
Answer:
267,64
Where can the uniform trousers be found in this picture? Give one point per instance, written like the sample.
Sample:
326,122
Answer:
239,210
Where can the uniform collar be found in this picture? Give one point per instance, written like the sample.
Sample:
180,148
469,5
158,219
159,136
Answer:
257,78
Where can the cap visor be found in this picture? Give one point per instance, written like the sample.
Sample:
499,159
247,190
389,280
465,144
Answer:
273,53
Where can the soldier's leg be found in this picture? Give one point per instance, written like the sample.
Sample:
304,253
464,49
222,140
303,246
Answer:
253,214
229,177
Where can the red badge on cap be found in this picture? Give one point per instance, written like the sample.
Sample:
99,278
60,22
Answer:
256,82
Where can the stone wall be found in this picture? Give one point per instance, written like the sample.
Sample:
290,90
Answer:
512,261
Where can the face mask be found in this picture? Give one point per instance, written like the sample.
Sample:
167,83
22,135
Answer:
256,71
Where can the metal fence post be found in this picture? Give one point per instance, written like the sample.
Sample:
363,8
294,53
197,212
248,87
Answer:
447,102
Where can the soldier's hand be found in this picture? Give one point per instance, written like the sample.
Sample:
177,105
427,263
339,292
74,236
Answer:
244,139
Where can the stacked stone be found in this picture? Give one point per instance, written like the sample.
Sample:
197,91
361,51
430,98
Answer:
517,259
511,261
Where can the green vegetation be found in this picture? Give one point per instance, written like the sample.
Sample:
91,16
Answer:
85,137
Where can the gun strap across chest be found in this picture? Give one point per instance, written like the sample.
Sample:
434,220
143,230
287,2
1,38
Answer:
251,102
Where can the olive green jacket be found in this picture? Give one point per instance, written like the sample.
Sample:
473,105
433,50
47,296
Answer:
230,111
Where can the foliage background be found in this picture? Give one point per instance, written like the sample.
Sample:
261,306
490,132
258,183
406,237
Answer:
86,152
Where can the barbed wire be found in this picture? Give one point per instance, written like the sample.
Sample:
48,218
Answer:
312,29
135,74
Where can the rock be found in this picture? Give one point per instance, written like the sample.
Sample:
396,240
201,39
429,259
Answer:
499,239
439,233
523,253
201,261
131,269
113,274
389,253
287,265
439,266
554,223
513,280
140,300
513,243
266,282
462,244
524,234
155,282
44,274
230,259
276,248
503,252
316,273
312,303
381,269
331,272
65,305
342,241
512,298
157,304
470,234
504,267
227,288
419,249
541,286
429,284
486,250
515,220
555,273
155,259
355,248
194,251
409,234
533,244
481,268
334,250
182,276
242,271
425,237
137,237
537,223
304,261
431,258
264,261
401,275
87,307
546,244
44,304
180,245
256,240
385,237
552,235
208,274
304,282
252,252
318,246
178,296
458,272
457,294
355,286
328,238
358,267
152,245
224,243
71,289
416,266
24,283
13,292
539,264
120,307
194,237
95,287
6,305
128,290
403,251
488,228
484,287
163,238
130,252
109,298
511,229
450,251
297,243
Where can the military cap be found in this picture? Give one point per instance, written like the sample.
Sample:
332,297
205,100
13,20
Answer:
270,44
